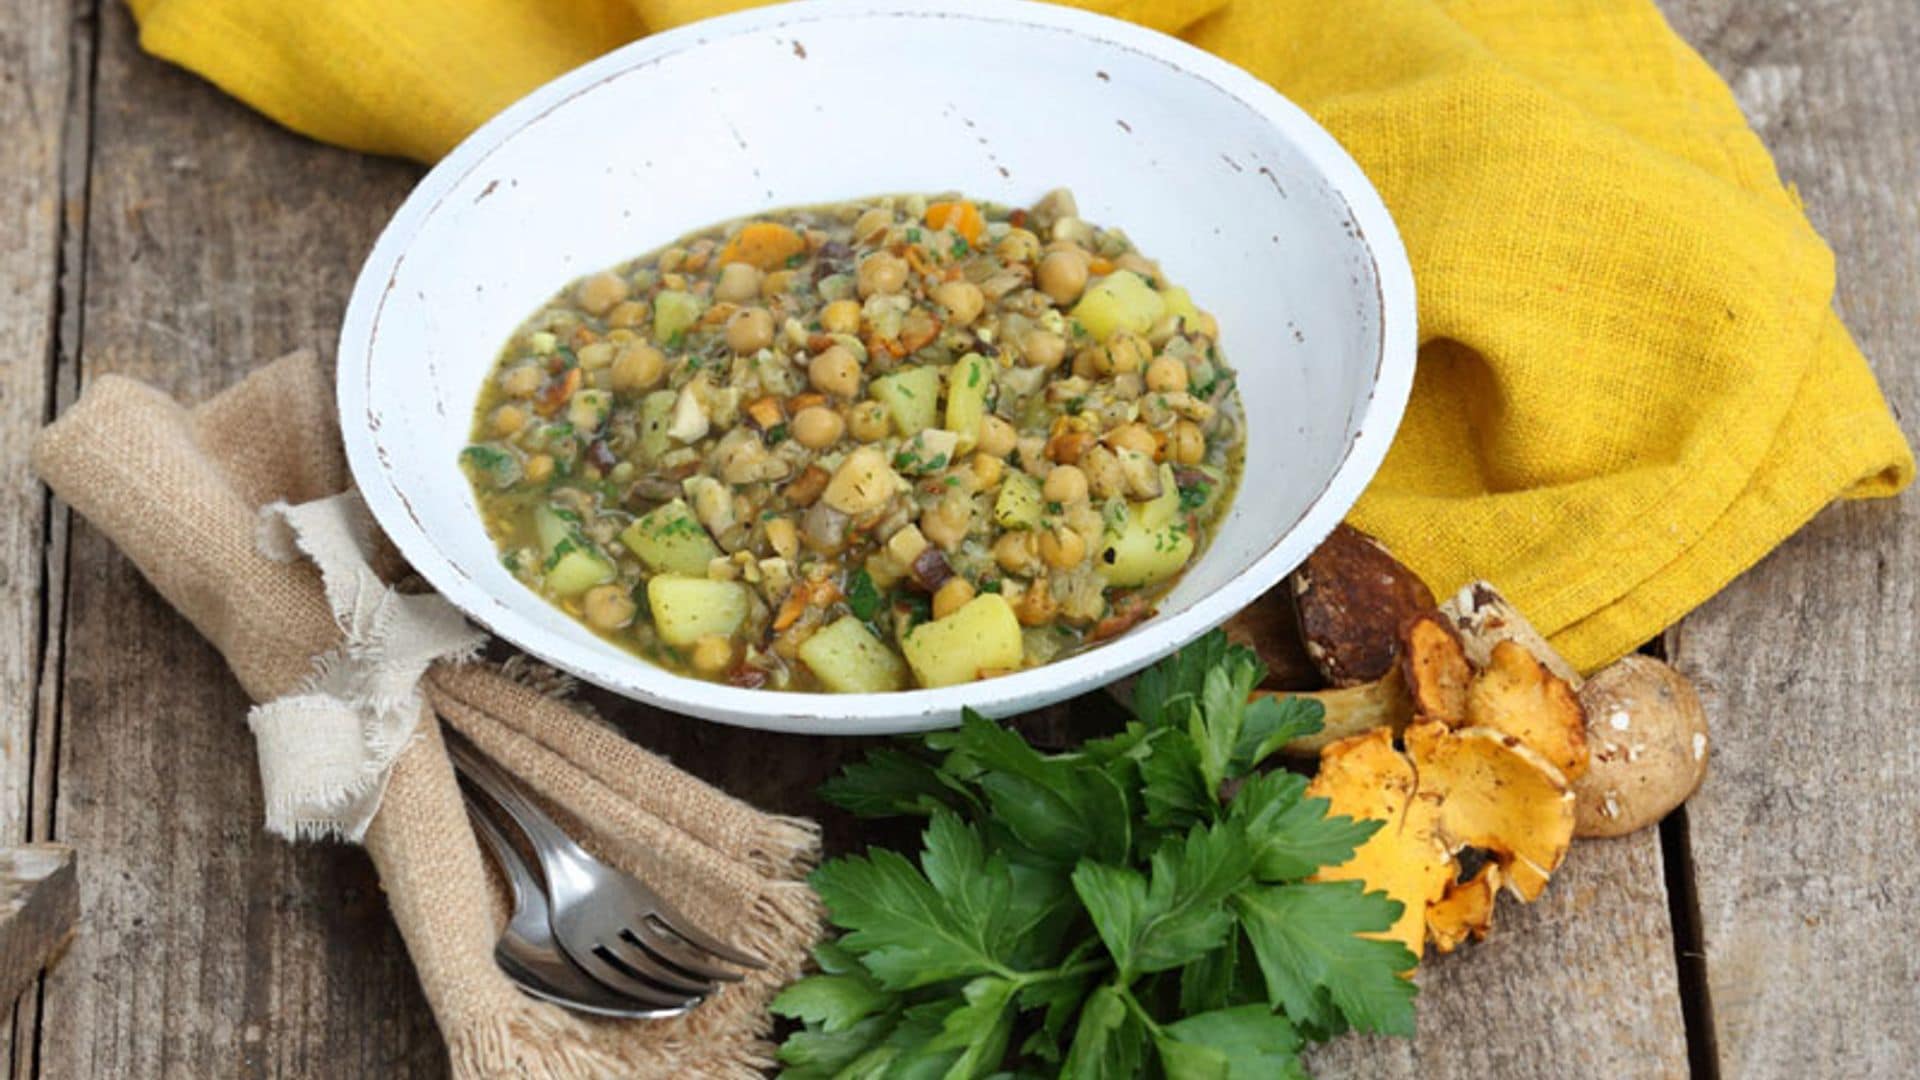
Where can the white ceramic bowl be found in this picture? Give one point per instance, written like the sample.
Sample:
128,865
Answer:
1239,195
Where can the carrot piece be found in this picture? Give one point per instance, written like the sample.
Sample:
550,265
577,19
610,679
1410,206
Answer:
765,244
806,400
791,608
1099,266
962,217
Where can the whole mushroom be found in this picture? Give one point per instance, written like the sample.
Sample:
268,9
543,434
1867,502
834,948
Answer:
1647,743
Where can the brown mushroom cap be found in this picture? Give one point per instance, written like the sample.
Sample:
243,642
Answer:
1647,743
1352,596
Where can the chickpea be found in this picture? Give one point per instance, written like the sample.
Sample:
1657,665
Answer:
712,654
1133,437
1139,264
595,356
638,367
1065,484
882,274
1206,326
871,421
963,301
1018,246
987,469
1166,375
522,381
778,283
539,467
1043,349
1062,548
952,596
1127,352
997,437
1037,606
835,371
947,521
1063,276
868,225
1092,362
1016,552
1187,445
608,607
841,317
739,282
628,314
817,427
509,419
749,330
598,293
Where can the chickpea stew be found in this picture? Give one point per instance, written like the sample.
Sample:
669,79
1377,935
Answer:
903,441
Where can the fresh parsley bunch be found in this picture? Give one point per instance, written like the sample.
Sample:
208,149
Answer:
1132,908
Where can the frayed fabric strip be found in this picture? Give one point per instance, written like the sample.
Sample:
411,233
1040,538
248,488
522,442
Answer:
326,748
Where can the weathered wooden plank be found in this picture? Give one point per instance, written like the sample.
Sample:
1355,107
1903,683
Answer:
210,949
39,904
1579,984
42,97
1803,846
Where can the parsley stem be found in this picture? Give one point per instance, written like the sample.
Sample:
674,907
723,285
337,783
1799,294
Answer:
1139,1010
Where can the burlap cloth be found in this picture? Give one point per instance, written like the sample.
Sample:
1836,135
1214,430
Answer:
179,490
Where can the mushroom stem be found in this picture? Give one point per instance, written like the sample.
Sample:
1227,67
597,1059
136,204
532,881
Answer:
1351,710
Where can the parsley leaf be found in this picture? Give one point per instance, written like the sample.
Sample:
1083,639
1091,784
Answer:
907,932
1060,812
1306,939
1247,1042
863,597
1177,915
1291,836
834,1002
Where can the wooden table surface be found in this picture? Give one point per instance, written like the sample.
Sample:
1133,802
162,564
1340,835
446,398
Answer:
156,228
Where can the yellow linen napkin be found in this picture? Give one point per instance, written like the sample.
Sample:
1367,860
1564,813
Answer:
1632,384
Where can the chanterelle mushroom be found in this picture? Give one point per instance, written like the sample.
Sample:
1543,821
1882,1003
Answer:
1365,777
1449,791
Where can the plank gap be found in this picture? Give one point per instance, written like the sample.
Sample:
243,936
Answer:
1689,949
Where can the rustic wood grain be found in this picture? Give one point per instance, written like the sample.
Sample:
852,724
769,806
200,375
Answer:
42,99
1578,984
1803,842
39,904
215,240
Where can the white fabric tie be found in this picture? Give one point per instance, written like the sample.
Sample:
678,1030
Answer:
326,749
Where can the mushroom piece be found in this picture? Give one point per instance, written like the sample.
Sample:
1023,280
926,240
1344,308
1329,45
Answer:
1434,663
1514,693
1449,791
1465,911
1352,710
1484,618
1352,596
1497,794
1647,734
1365,778
1270,628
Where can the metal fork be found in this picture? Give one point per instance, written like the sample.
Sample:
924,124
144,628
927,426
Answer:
608,922
529,956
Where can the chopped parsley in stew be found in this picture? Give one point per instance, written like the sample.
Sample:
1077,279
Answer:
904,441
